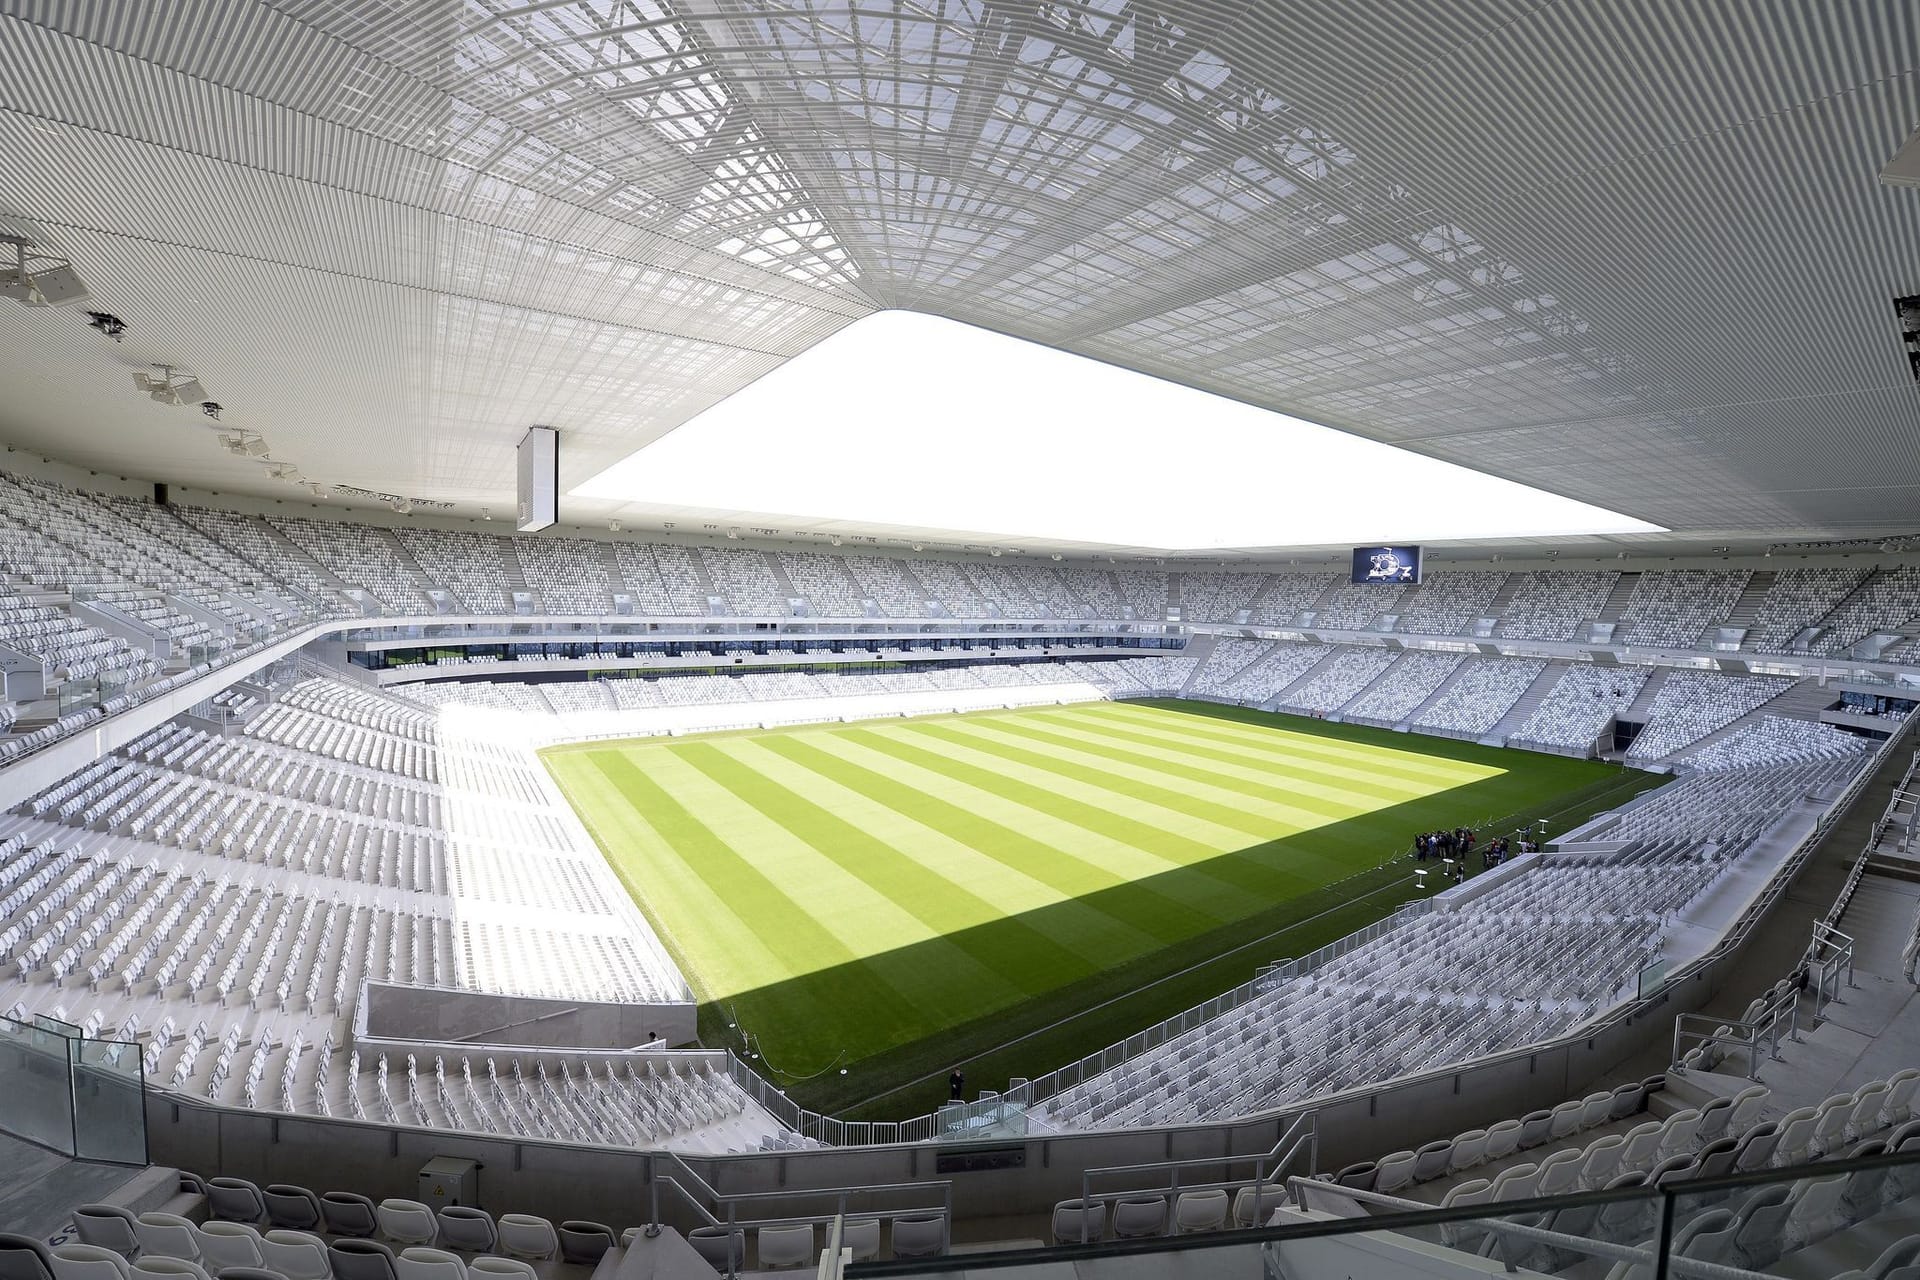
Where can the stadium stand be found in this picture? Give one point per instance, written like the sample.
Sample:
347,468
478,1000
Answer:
1551,606
1483,693
1692,704
1672,609
1337,680
1447,602
1580,706
1394,696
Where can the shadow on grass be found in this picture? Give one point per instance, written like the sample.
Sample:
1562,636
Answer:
863,1034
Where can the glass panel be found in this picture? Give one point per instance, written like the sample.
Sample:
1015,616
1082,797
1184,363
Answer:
36,1091
110,1115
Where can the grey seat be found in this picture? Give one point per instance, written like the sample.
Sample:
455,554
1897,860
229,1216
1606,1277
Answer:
467,1229
920,1235
1139,1217
1075,1222
1627,1099
355,1259
247,1273
293,1208
24,1258
1535,1127
584,1242
1713,1120
1359,1174
724,1250
235,1200
107,1226
348,1214
1430,1161
1717,1157
862,1237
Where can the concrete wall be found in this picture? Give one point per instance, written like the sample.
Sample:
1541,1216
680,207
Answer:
394,1012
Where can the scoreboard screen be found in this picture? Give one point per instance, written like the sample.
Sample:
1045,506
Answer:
1386,564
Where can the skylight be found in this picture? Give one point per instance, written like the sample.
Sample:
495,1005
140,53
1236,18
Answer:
915,422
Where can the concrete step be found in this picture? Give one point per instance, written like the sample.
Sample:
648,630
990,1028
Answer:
1617,599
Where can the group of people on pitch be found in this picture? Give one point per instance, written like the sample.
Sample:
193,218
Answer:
1454,846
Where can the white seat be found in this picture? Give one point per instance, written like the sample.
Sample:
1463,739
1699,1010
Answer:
1763,1222
1815,1213
525,1236
1795,1140
1075,1222
1139,1217
166,1235
1830,1128
1643,1145
407,1222
1395,1172
87,1262
1516,1183
1678,1136
1503,1139
1469,1149
1560,1173
510,1268
785,1246
1897,1107
1432,1159
227,1244
1595,1110
161,1267
862,1237
1198,1211
421,1263
1254,1206
1566,1119
297,1255
1864,1116
1601,1160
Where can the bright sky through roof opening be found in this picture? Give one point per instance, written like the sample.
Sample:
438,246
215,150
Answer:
916,421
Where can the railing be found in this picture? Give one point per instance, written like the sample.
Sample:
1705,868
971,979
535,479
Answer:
722,1211
1164,1178
76,1095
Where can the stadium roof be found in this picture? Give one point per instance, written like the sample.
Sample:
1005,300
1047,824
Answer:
1632,253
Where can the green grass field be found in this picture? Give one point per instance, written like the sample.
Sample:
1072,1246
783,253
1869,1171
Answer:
893,896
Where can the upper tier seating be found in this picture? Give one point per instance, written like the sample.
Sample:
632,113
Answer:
358,556
825,584
470,565
1216,597
744,578
1797,599
1889,600
1285,596
1449,600
1551,606
1775,740
568,574
1672,609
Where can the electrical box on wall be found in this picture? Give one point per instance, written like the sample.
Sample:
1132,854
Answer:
445,1180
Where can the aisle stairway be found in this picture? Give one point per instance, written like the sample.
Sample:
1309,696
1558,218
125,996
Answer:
1536,693
1747,607
1642,705
1617,599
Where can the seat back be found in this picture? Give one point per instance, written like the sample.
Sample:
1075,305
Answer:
297,1255
786,1246
227,1244
724,1250
166,1235
464,1227
920,1236
24,1258
1503,1139
88,1262
292,1208
862,1237
1197,1211
530,1238
107,1226
1141,1216
235,1200
509,1268
347,1214
1075,1222
1560,1173
584,1242
356,1259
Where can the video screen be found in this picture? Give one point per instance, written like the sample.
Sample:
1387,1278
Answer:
1386,564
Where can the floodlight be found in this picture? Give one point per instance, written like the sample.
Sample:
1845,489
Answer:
212,408
190,392
322,490
60,286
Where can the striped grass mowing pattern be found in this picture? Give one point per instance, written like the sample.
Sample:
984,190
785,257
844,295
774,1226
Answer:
845,890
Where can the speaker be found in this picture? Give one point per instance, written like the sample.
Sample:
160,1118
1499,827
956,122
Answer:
159,494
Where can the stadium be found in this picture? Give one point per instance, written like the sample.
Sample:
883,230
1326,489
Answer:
654,639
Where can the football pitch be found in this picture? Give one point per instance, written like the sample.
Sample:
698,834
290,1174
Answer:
892,896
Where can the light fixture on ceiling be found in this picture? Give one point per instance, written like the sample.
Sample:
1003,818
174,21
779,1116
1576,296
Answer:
403,506
486,513
38,279
171,387
613,526
212,408
322,490
993,551
243,443
108,323
1056,555
734,534
284,471
834,540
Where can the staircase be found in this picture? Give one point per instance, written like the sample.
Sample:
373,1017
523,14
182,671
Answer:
1642,705
1504,597
616,580
416,571
1200,648
1804,701
1536,693
1617,599
1747,607
294,551
1413,717
1320,602
1333,654
510,564
787,590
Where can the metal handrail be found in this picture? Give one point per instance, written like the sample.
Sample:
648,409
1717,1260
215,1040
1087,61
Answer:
1638,1254
1269,1166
